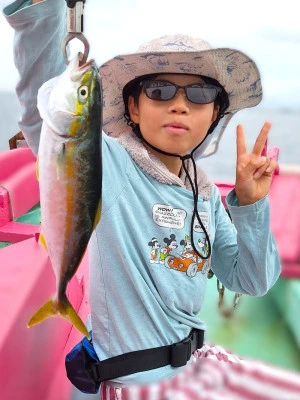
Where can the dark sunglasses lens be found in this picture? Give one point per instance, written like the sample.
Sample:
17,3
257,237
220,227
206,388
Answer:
160,93
201,95
164,91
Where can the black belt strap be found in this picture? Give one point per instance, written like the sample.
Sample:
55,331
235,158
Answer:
176,355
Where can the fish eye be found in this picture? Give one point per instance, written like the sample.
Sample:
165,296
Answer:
83,92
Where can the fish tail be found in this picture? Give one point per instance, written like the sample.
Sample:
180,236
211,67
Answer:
53,308
68,312
47,310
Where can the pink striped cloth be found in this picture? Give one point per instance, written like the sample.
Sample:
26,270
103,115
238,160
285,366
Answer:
215,374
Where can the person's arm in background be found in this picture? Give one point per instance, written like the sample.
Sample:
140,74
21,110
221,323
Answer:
39,31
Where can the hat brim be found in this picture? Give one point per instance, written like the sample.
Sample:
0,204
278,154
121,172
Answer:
234,70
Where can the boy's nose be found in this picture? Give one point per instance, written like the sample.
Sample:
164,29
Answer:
179,103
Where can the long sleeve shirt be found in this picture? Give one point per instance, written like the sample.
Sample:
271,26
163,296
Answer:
147,286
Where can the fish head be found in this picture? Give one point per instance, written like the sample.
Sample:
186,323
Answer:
68,102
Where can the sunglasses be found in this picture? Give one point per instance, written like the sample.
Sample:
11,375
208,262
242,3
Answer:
198,93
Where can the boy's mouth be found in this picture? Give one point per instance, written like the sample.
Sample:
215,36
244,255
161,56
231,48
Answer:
176,127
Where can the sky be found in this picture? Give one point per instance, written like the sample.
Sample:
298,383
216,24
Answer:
268,32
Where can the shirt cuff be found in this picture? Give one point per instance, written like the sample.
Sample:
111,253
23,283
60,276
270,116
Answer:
232,203
15,7
22,12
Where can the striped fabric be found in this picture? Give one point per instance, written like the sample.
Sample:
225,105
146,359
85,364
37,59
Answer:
215,374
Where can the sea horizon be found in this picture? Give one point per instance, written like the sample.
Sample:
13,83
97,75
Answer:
284,134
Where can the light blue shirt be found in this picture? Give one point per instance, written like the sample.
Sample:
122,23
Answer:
141,300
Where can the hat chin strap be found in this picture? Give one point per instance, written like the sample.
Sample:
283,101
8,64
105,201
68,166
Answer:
194,186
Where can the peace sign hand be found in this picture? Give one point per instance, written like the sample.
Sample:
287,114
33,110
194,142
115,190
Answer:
253,171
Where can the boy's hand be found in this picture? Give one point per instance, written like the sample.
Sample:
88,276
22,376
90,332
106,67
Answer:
253,171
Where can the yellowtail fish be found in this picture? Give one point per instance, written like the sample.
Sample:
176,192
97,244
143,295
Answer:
69,170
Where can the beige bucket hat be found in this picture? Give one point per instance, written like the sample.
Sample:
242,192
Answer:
234,70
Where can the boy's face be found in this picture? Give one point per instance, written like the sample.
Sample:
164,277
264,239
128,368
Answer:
176,126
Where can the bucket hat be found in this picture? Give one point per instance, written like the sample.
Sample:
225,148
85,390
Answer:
181,54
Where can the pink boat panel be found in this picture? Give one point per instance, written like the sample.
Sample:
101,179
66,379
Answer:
5,212
18,179
15,160
27,280
284,199
15,232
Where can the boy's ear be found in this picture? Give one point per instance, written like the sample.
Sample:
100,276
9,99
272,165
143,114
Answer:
215,113
133,110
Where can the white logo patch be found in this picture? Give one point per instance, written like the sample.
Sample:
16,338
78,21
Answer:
204,219
168,217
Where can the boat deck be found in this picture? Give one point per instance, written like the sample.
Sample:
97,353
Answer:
256,329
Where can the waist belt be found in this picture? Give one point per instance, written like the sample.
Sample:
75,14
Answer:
176,355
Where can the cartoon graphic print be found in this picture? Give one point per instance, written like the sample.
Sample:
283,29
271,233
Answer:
204,247
187,251
187,260
155,246
187,245
171,245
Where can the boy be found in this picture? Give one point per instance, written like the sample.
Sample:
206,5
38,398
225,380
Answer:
167,105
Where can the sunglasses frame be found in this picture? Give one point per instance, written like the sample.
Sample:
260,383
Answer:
144,83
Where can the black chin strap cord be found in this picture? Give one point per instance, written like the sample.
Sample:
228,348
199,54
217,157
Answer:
194,186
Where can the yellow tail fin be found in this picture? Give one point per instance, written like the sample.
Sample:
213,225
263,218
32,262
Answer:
64,310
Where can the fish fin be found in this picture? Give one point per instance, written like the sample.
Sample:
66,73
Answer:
46,311
97,216
37,168
64,310
42,240
60,160
67,311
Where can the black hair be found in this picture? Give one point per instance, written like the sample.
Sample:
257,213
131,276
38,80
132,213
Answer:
221,100
133,88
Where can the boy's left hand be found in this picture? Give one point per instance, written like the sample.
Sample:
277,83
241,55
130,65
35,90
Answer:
253,171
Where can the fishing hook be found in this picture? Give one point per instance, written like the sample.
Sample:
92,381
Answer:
82,38
75,28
